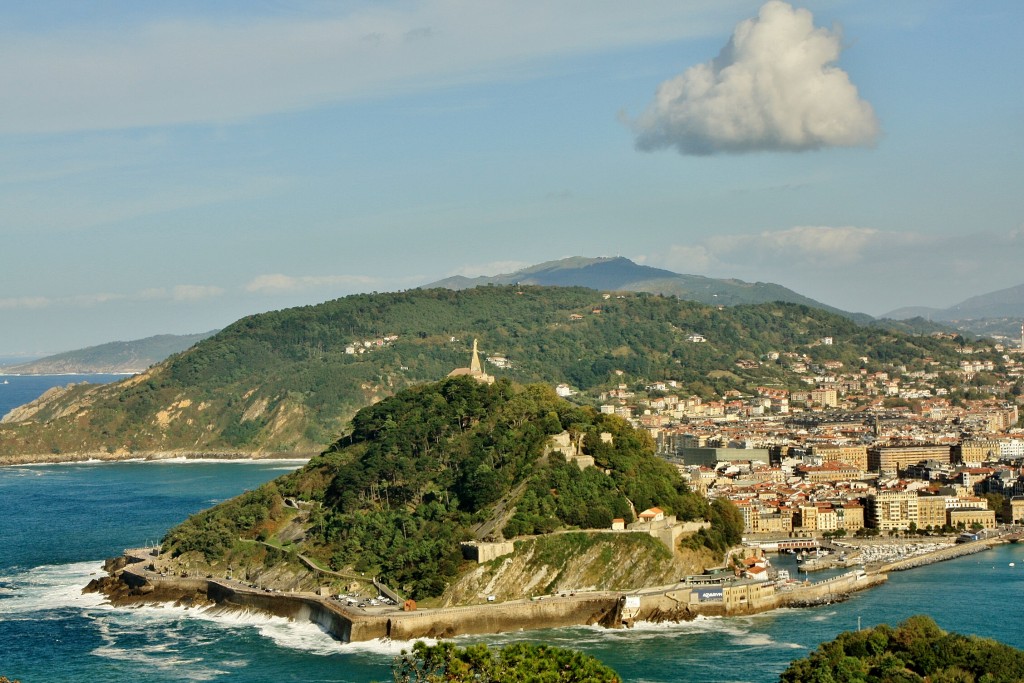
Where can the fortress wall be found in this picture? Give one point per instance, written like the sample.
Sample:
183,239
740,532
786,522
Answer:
505,617
832,590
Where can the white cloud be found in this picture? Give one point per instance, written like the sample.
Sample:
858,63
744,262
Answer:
25,302
774,86
277,283
810,246
818,244
489,269
175,71
195,292
86,300
176,293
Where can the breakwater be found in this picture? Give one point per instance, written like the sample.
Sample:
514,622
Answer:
947,553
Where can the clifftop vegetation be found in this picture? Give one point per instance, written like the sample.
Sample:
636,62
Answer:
439,464
290,380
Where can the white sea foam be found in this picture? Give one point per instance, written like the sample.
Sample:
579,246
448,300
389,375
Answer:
754,640
33,592
296,635
160,657
385,647
50,587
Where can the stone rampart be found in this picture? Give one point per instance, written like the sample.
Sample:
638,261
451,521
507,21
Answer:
485,552
505,617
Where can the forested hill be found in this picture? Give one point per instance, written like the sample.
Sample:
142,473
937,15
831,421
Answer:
431,467
289,381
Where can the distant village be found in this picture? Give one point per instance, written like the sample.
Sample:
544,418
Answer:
856,452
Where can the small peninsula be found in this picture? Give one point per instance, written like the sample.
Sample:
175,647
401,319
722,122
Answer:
466,506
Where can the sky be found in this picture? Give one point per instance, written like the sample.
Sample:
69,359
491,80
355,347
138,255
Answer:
172,167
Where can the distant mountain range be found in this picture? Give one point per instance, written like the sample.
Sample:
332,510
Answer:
998,313
112,357
620,274
1003,303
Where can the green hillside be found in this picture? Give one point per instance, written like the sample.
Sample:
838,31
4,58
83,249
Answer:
289,381
430,467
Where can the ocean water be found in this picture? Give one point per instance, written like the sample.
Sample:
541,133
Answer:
21,389
57,524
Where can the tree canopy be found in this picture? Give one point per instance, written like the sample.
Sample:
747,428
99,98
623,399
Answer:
917,650
515,663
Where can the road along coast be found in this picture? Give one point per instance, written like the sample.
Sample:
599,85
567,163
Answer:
131,580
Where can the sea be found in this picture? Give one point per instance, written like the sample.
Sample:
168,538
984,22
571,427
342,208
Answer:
59,522
17,390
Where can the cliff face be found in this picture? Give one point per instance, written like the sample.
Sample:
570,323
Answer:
576,561
145,415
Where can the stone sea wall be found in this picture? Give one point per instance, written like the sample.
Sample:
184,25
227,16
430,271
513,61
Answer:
132,582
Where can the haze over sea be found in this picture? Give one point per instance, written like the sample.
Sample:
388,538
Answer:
61,521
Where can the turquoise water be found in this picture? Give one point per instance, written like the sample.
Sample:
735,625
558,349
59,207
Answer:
57,523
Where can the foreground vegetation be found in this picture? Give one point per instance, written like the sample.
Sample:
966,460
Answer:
518,662
917,650
286,381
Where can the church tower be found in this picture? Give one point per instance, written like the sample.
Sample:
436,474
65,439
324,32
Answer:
474,364
475,369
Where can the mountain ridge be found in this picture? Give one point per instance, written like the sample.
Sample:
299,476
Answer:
1001,303
618,273
118,357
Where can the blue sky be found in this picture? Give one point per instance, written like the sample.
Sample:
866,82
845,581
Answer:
171,167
